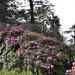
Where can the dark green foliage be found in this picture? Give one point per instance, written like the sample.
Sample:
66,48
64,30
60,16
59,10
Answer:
29,37
3,10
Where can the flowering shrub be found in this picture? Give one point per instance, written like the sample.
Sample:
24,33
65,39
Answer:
20,51
12,40
16,29
32,36
46,40
71,71
33,45
12,35
13,30
36,52
48,62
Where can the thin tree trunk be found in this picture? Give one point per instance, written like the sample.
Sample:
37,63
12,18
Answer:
31,11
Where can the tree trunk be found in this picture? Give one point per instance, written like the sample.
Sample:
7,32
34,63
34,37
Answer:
31,11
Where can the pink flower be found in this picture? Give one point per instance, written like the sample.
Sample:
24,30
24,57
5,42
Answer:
51,47
33,44
47,66
13,42
20,51
16,29
68,71
52,66
7,40
73,63
10,40
49,58
38,62
73,70
19,38
45,38
47,51
42,65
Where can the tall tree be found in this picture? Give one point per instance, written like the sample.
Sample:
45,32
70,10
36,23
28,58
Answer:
55,25
31,11
43,14
3,10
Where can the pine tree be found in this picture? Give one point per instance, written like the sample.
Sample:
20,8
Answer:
3,10
55,25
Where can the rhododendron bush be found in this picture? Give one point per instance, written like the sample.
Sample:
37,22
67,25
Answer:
22,49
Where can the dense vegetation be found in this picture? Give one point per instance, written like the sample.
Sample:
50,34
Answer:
22,49
35,46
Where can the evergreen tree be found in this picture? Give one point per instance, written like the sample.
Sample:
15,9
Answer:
3,10
55,25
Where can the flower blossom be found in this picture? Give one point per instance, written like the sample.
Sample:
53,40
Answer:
12,40
33,44
16,29
68,71
47,66
19,38
49,58
38,62
51,47
20,51
73,63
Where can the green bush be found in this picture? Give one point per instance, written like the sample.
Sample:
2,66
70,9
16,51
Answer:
31,37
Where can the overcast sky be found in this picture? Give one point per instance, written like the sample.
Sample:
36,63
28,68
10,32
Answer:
66,12
65,9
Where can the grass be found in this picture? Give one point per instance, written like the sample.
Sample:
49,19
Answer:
13,72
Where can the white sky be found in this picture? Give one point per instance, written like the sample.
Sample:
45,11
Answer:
66,12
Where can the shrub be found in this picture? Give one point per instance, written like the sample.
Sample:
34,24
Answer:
34,51
32,36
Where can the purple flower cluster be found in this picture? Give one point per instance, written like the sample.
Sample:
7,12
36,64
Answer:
71,70
43,65
20,51
47,66
38,62
49,53
73,63
11,35
49,58
13,29
6,30
33,44
12,40
51,47
45,60
46,40
16,29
